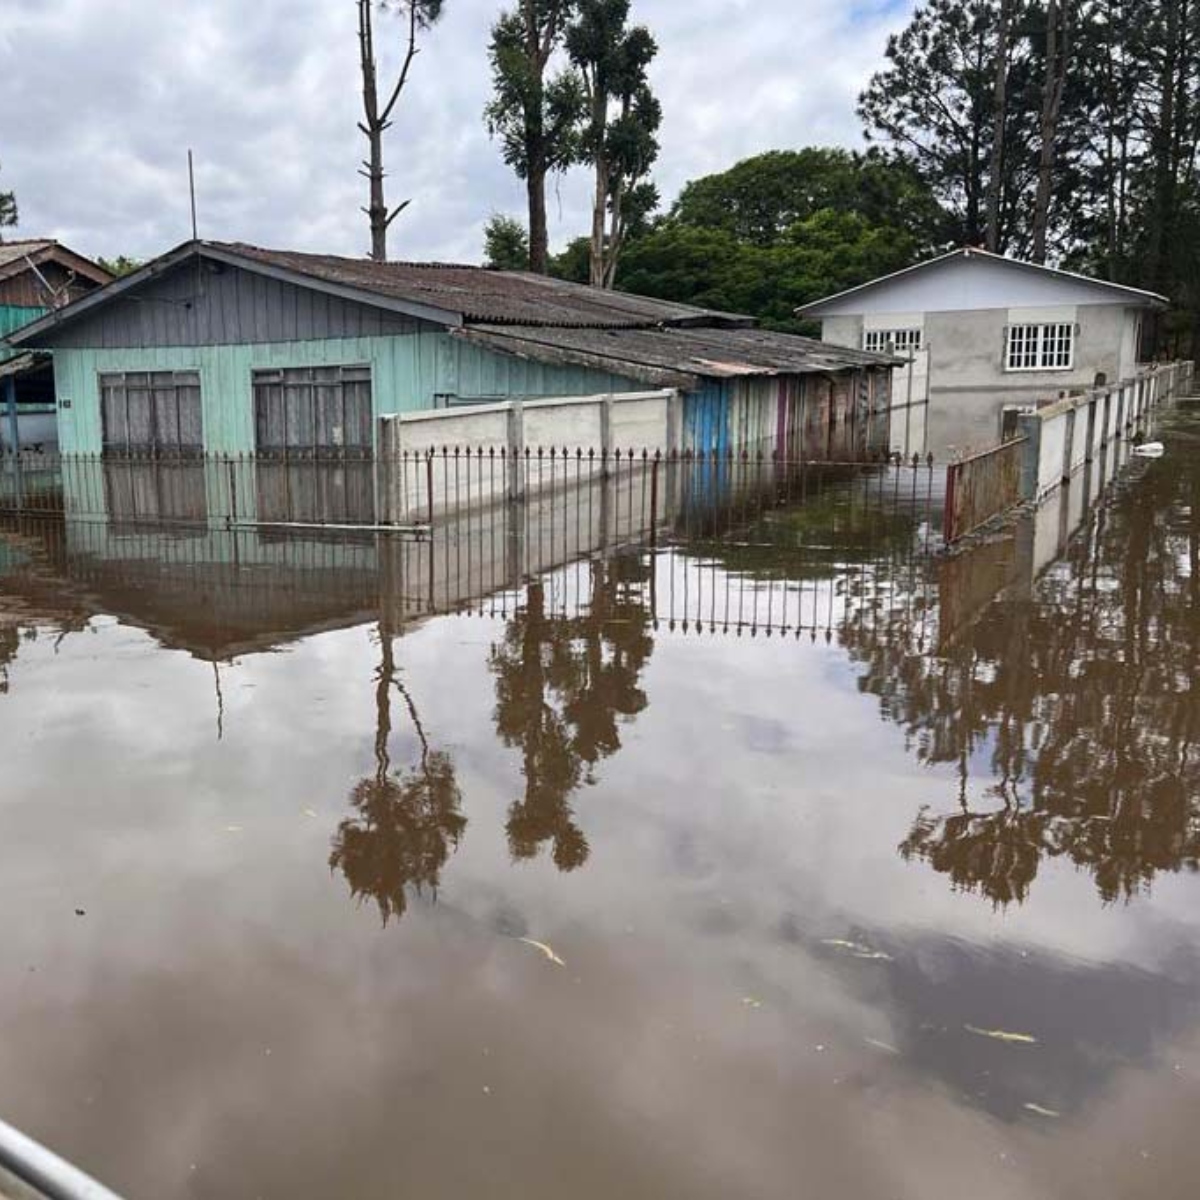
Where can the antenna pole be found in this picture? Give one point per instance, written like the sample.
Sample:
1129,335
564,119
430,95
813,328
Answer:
192,189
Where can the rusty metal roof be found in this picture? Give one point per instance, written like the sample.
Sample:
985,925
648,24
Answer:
480,294
675,357
16,256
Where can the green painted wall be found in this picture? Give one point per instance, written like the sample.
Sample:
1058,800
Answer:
13,316
407,372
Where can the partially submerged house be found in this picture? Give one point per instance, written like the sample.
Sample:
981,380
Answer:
37,275
219,348
982,332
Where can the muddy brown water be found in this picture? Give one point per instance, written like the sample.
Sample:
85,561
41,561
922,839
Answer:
785,860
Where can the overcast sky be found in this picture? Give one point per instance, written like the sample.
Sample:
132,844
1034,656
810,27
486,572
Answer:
102,98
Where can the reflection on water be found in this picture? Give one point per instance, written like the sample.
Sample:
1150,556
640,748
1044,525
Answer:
405,824
674,951
1068,707
563,682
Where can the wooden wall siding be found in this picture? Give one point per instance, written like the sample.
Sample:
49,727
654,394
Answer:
26,291
407,373
190,307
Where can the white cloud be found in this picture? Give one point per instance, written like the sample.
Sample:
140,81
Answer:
105,100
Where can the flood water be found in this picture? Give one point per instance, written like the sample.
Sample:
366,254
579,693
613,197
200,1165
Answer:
780,859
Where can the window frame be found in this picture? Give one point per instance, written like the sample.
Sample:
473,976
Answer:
909,339
298,404
1039,346
149,386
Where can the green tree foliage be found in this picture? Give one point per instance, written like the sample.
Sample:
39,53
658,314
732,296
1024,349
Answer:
781,229
505,244
535,117
618,138
932,106
1099,100
121,265
8,211
761,198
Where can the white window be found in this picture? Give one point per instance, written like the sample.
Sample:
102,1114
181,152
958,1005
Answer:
901,341
1049,347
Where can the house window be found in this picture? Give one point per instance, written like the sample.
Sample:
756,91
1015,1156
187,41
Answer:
151,412
1040,347
901,341
314,411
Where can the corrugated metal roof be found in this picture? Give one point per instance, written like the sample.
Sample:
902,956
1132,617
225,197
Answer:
16,251
15,257
479,294
675,357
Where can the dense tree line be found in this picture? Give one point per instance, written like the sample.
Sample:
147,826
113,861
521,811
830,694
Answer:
1063,131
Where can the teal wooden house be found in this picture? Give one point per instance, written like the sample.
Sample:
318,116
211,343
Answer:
37,275
229,349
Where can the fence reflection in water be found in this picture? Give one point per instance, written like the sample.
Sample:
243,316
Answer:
751,547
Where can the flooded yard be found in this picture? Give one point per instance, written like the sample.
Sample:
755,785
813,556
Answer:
780,858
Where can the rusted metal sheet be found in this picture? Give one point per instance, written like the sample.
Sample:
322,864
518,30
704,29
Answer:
981,487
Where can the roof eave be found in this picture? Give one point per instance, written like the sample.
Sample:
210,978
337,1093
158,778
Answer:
815,308
535,351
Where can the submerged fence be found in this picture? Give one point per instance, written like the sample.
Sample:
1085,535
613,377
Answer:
1050,444
980,487
666,492
827,543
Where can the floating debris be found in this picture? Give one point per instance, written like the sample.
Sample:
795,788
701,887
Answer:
546,950
856,949
751,1002
233,829
310,812
1041,1110
1003,1035
886,1047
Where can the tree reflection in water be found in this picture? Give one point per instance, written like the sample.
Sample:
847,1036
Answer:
563,685
1084,698
405,825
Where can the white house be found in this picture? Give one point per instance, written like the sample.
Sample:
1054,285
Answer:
984,332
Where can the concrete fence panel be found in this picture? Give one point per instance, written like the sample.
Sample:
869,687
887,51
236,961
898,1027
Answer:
433,463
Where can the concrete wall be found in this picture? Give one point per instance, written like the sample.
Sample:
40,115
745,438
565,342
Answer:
969,387
483,454
843,331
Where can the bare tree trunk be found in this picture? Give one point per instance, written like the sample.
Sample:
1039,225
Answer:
375,121
1057,53
600,195
539,234
616,237
537,52
1162,141
999,122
